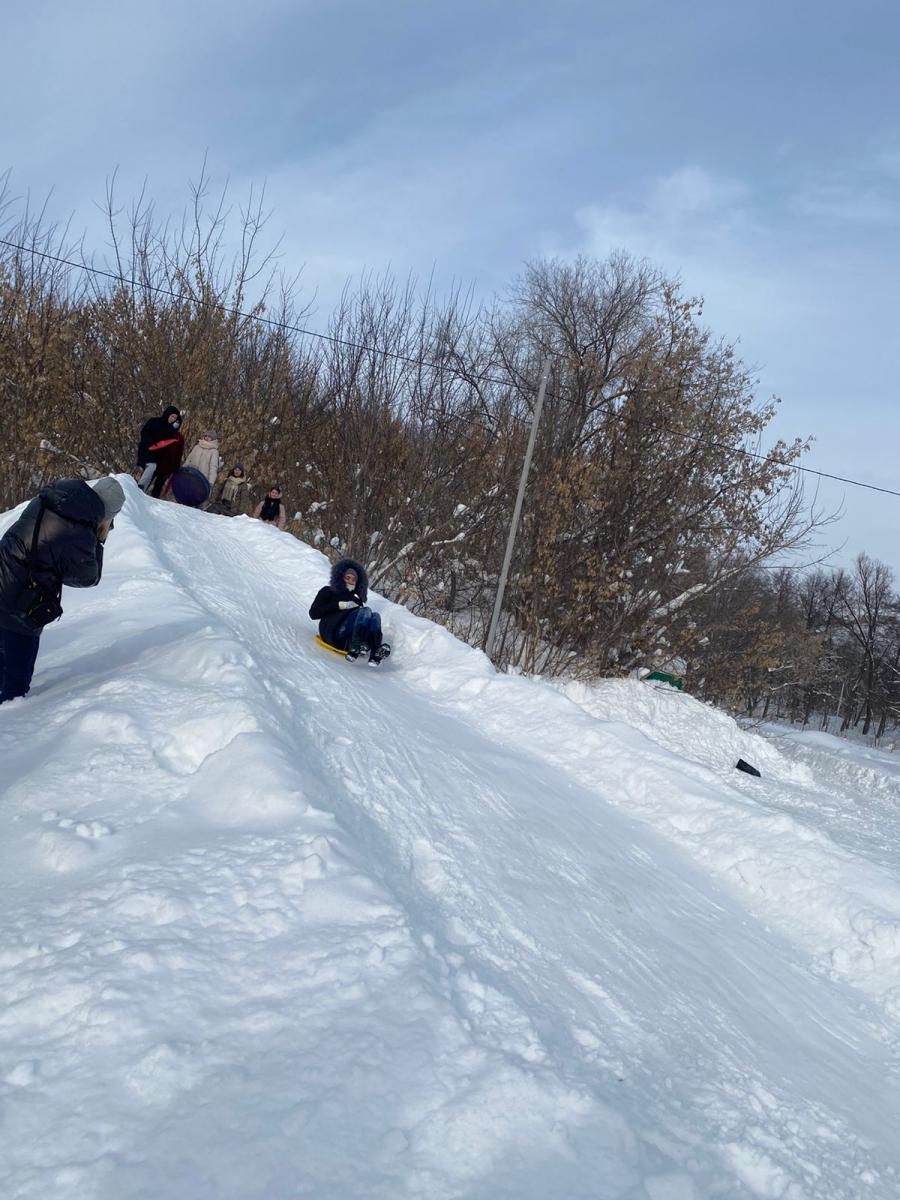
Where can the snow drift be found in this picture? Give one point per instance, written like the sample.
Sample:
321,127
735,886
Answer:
276,926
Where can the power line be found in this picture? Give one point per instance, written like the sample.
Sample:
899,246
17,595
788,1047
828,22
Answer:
285,326
468,376
872,487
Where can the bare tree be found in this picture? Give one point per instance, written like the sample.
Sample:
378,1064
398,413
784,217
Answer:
869,613
639,505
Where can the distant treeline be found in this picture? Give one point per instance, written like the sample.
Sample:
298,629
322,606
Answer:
399,439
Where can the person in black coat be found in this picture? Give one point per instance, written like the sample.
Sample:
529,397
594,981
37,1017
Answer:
160,450
344,620
58,540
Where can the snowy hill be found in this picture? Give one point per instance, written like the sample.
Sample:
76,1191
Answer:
276,926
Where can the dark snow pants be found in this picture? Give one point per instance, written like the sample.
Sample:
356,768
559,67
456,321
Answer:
361,630
18,654
157,484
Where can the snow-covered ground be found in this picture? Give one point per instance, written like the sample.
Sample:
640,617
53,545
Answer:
275,926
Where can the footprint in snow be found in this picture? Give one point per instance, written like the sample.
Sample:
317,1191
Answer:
91,830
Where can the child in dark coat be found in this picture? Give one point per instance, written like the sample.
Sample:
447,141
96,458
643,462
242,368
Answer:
345,622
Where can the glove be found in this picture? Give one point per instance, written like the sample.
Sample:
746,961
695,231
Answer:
345,604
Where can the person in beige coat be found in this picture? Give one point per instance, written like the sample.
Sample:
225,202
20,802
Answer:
205,458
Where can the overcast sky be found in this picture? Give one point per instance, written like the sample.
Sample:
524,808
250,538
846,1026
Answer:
752,149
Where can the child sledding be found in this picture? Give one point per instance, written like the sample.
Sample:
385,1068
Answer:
346,624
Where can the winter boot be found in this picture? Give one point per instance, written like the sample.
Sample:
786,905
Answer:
352,653
379,654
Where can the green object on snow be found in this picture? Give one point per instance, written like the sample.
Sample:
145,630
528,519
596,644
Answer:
674,681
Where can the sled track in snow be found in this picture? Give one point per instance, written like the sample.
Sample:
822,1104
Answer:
517,948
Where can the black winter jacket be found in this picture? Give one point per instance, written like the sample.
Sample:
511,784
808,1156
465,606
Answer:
326,607
156,435
68,550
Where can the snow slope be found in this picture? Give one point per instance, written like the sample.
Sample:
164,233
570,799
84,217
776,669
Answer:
276,926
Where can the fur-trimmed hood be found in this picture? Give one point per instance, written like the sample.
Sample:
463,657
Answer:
362,579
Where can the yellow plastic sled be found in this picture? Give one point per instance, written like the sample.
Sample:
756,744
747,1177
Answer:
363,657
325,646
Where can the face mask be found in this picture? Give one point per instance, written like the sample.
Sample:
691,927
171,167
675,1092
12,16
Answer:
176,424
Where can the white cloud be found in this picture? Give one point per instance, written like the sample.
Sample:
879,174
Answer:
693,190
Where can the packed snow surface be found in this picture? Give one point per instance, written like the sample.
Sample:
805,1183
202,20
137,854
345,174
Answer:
275,926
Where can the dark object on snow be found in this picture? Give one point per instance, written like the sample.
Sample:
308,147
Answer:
38,603
745,766
56,541
190,487
66,549
345,623
379,654
326,607
18,653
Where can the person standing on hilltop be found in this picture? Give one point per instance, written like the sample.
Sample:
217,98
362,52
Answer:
160,450
234,498
57,541
205,457
271,510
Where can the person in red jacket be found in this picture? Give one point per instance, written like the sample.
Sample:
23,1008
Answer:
160,450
